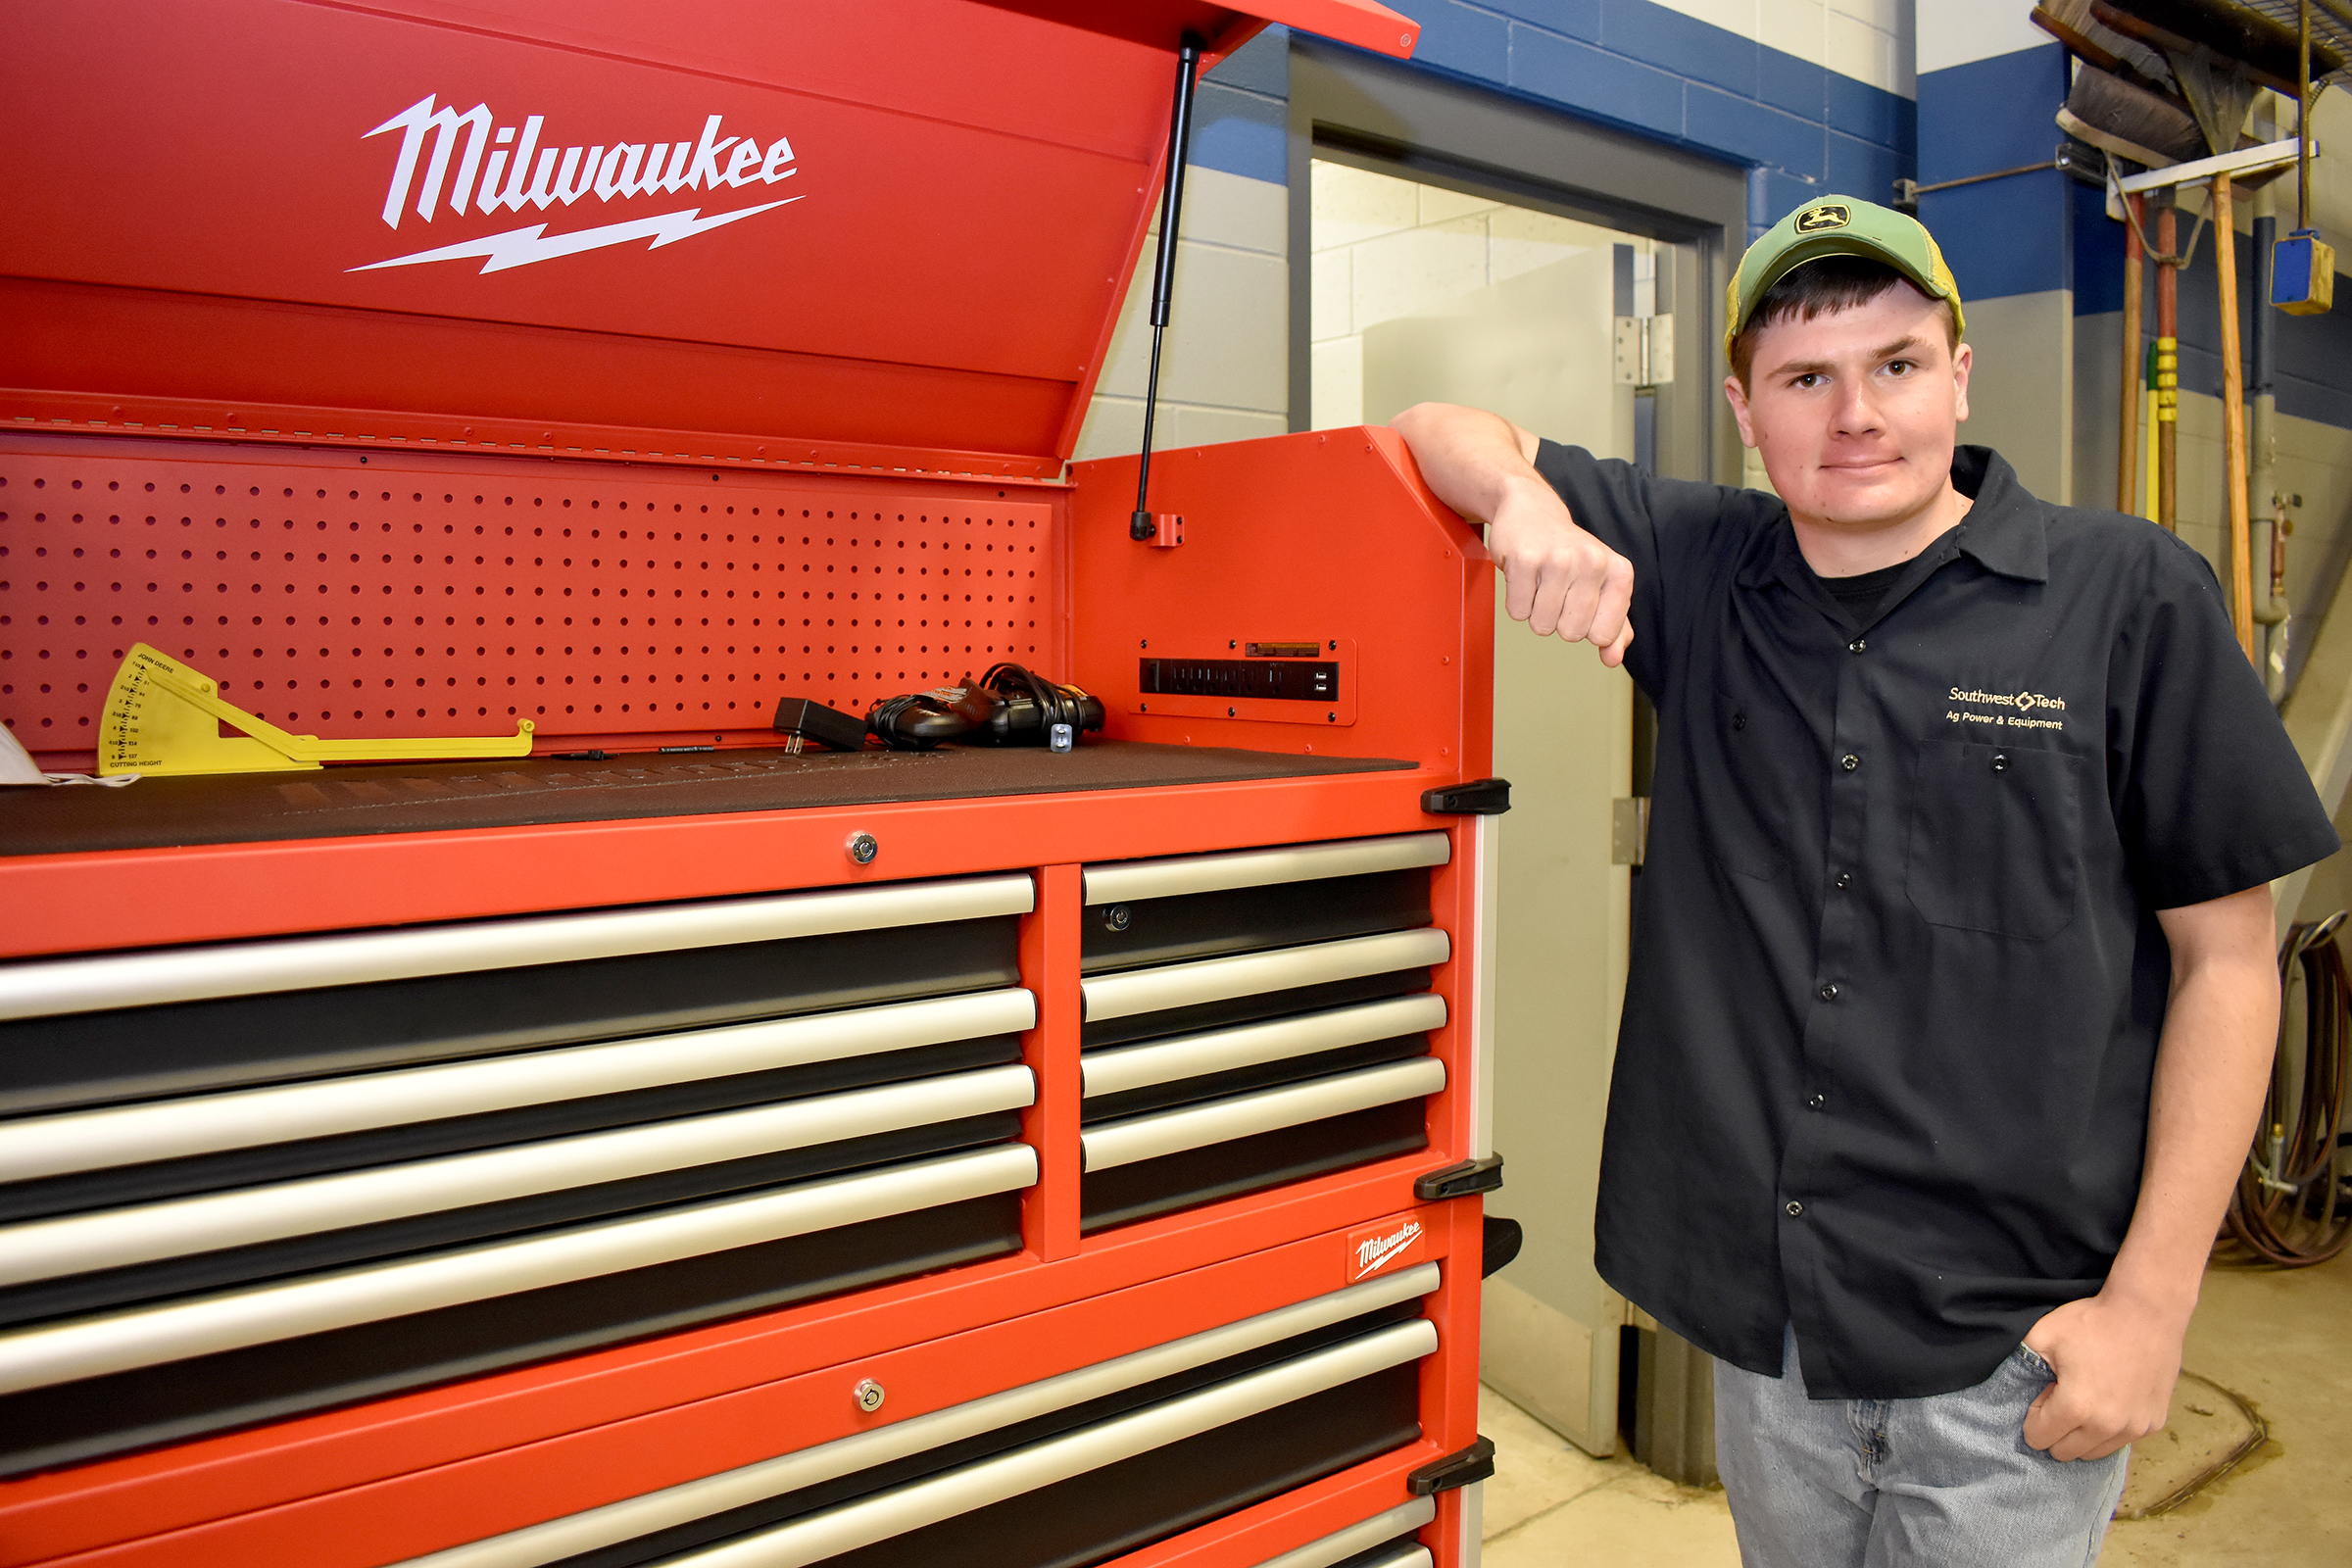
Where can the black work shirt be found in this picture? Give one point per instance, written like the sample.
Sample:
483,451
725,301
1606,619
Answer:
1889,1032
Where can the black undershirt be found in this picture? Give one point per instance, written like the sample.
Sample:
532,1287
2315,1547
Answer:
1860,594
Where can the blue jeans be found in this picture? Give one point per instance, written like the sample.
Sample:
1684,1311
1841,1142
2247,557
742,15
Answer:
1945,1481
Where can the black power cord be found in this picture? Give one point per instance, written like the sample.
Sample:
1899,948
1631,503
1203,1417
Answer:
1049,705
918,721
1010,705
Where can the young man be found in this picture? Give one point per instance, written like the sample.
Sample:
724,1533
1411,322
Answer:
1952,993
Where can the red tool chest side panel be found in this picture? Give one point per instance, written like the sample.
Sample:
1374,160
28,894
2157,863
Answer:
1324,539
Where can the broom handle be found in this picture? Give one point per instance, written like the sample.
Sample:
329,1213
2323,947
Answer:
2126,468
2168,333
2234,423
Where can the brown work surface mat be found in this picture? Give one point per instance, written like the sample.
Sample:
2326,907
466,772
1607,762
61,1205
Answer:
428,796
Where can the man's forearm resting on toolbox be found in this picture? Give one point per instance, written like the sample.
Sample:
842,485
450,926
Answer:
2118,1353
1556,576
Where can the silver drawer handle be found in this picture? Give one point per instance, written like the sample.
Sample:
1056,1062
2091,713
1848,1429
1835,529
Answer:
43,987
117,1237
1127,881
1250,974
1345,1544
204,1124
1218,1121
117,1342
535,1545
976,1485
1121,1068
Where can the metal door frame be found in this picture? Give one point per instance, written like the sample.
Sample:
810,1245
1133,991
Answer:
1392,118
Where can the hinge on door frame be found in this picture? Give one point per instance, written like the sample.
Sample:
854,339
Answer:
1629,830
1642,349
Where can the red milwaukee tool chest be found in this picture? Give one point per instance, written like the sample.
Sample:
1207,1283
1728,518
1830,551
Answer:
664,1146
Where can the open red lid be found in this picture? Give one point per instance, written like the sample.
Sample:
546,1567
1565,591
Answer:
895,232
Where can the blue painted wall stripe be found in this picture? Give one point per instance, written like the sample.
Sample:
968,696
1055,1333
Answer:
1991,113
2004,236
1240,112
1670,76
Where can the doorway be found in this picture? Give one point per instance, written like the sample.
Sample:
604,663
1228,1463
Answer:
1422,291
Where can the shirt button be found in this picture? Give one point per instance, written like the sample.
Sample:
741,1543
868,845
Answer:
1850,762
1816,1101
1828,993
1739,721
1860,645
2000,761
1846,879
1795,1208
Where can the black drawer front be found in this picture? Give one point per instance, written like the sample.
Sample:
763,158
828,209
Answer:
1126,1507
1240,1080
1374,1408
52,1063
1202,925
454,1227
1379,1556
1250,1008
314,1156
1150,1187
72,1422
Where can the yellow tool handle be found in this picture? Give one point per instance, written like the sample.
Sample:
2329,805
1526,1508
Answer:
310,748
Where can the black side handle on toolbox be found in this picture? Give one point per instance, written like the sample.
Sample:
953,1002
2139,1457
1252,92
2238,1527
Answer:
1498,1242
1480,797
1460,1181
1500,1239
1458,1469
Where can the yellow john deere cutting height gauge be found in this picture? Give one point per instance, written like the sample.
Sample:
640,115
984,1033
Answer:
164,717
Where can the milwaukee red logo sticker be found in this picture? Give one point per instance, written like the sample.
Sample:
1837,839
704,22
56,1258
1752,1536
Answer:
503,169
1386,1245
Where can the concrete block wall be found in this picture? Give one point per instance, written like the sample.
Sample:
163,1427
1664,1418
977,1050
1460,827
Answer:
1224,373
1989,83
2312,428
1813,97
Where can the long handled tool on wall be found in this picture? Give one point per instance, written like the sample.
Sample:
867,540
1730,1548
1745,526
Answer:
2126,461
2153,88
2233,421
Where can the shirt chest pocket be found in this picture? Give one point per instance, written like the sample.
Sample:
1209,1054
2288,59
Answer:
1763,768
1996,838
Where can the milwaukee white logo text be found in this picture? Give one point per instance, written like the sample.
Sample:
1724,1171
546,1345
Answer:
1375,1250
497,172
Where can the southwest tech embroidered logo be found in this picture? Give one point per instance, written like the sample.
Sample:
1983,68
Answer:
501,170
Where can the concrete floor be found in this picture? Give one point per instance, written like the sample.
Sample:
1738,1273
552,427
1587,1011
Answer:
2282,1340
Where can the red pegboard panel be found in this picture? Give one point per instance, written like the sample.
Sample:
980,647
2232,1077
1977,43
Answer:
414,597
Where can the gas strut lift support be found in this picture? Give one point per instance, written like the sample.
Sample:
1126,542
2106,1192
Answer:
1142,525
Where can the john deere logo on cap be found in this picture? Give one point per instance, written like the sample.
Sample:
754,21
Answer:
1827,216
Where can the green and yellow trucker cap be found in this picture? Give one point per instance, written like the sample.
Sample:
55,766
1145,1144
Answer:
1838,225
